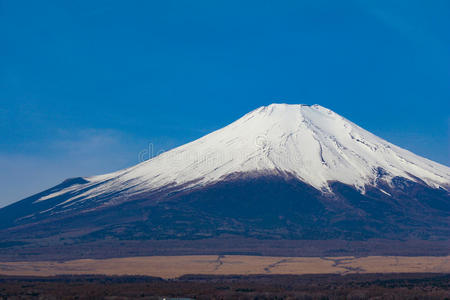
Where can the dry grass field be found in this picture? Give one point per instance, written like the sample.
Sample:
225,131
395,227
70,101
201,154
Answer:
175,266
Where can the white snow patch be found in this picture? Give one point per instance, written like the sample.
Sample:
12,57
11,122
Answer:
311,142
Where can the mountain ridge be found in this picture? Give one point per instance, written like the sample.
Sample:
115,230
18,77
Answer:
281,172
269,139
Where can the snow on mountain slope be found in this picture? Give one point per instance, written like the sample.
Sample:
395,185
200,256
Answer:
311,143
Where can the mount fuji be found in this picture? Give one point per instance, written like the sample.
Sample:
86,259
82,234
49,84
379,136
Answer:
280,172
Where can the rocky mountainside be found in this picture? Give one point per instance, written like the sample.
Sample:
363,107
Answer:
280,172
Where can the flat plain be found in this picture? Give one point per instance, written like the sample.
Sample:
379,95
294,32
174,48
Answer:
176,266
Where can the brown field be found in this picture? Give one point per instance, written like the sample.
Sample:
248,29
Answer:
176,266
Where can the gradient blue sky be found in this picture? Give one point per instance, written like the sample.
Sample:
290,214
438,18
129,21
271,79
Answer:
86,85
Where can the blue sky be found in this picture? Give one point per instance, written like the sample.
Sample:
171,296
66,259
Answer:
85,86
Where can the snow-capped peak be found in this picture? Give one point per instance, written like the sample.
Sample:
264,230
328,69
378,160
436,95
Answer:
309,142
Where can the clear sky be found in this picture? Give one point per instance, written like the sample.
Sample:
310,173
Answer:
85,86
